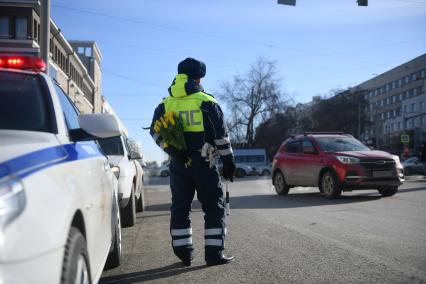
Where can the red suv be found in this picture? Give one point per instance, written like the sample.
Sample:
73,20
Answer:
334,163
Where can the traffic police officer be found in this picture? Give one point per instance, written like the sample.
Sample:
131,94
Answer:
203,122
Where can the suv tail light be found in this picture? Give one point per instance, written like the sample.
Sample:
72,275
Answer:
23,63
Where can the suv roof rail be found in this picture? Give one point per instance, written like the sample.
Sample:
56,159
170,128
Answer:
324,132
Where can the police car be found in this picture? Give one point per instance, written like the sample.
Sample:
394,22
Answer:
59,217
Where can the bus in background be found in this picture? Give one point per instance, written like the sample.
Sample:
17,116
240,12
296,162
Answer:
255,158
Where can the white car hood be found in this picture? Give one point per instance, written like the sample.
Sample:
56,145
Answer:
15,143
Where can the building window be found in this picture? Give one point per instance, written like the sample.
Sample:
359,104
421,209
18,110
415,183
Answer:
382,116
387,101
407,79
80,50
413,107
4,27
21,27
393,84
414,92
393,99
416,121
413,77
421,105
387,88
405,109
422,73
394,113
400,125
399,82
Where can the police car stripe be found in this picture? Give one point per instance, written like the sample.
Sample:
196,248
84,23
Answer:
213,242
182,242
33,162
181,232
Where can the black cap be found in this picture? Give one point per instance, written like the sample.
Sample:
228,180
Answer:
193,68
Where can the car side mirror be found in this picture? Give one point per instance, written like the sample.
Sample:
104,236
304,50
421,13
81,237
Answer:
94,126
135,155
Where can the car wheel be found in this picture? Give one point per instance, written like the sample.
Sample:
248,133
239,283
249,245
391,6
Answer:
75,267
330,186
265,173
128,213
281,186
164,174
388,190
407,172
140,204
114,256
240,173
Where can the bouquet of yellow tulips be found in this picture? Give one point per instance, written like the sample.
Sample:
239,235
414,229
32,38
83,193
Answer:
170,128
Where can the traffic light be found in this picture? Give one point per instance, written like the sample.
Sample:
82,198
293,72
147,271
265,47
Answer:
362,2
287,2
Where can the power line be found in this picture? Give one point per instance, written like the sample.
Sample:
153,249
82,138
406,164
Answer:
133,79
211,35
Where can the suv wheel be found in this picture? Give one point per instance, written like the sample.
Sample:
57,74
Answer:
75,267
128,213
388,190
329,185
140,203
265,173
281,186
240,173
114,256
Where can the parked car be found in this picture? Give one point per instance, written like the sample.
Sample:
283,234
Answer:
59,217
413,166
264,170
163,171
334,163
129,178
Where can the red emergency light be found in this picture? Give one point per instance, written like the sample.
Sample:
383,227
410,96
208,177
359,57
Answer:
23,63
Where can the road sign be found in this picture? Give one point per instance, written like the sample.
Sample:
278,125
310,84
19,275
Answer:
405,138
287,2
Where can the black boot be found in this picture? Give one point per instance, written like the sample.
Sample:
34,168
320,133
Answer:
218,259
185,256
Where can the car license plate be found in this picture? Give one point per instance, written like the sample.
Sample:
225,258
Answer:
382,173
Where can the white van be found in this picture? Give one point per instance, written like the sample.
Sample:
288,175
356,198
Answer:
130,177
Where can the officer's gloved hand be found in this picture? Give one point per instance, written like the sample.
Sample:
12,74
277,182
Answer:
181,155
229,169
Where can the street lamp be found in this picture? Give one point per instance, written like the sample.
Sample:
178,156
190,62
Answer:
293,2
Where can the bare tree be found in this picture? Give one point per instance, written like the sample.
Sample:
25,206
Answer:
252,98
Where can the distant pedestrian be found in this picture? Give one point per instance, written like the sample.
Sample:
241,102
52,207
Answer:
423,156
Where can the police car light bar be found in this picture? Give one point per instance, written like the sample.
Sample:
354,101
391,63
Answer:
23,63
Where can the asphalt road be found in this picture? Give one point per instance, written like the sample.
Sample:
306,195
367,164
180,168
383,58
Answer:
298,238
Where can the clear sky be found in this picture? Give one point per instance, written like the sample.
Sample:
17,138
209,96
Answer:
318,45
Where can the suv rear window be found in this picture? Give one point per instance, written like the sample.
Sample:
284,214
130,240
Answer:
22,103
112,146
340,144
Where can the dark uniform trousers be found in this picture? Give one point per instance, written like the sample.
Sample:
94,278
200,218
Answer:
206,182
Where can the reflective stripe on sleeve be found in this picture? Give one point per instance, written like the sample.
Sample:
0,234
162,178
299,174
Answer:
181,232
182,242
222,141
213,242
214,232
225,152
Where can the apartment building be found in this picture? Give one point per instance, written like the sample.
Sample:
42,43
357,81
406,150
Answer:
396,105
74,64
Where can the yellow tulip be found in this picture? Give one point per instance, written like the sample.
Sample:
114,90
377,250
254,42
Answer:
156,128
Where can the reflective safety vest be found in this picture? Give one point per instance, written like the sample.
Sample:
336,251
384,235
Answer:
186,106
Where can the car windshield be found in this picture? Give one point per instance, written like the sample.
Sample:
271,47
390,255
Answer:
341,144
22,104
112,146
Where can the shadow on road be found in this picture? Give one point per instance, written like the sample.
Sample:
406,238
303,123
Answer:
295,200
151,274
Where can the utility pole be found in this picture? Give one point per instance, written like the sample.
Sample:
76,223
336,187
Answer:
45,32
